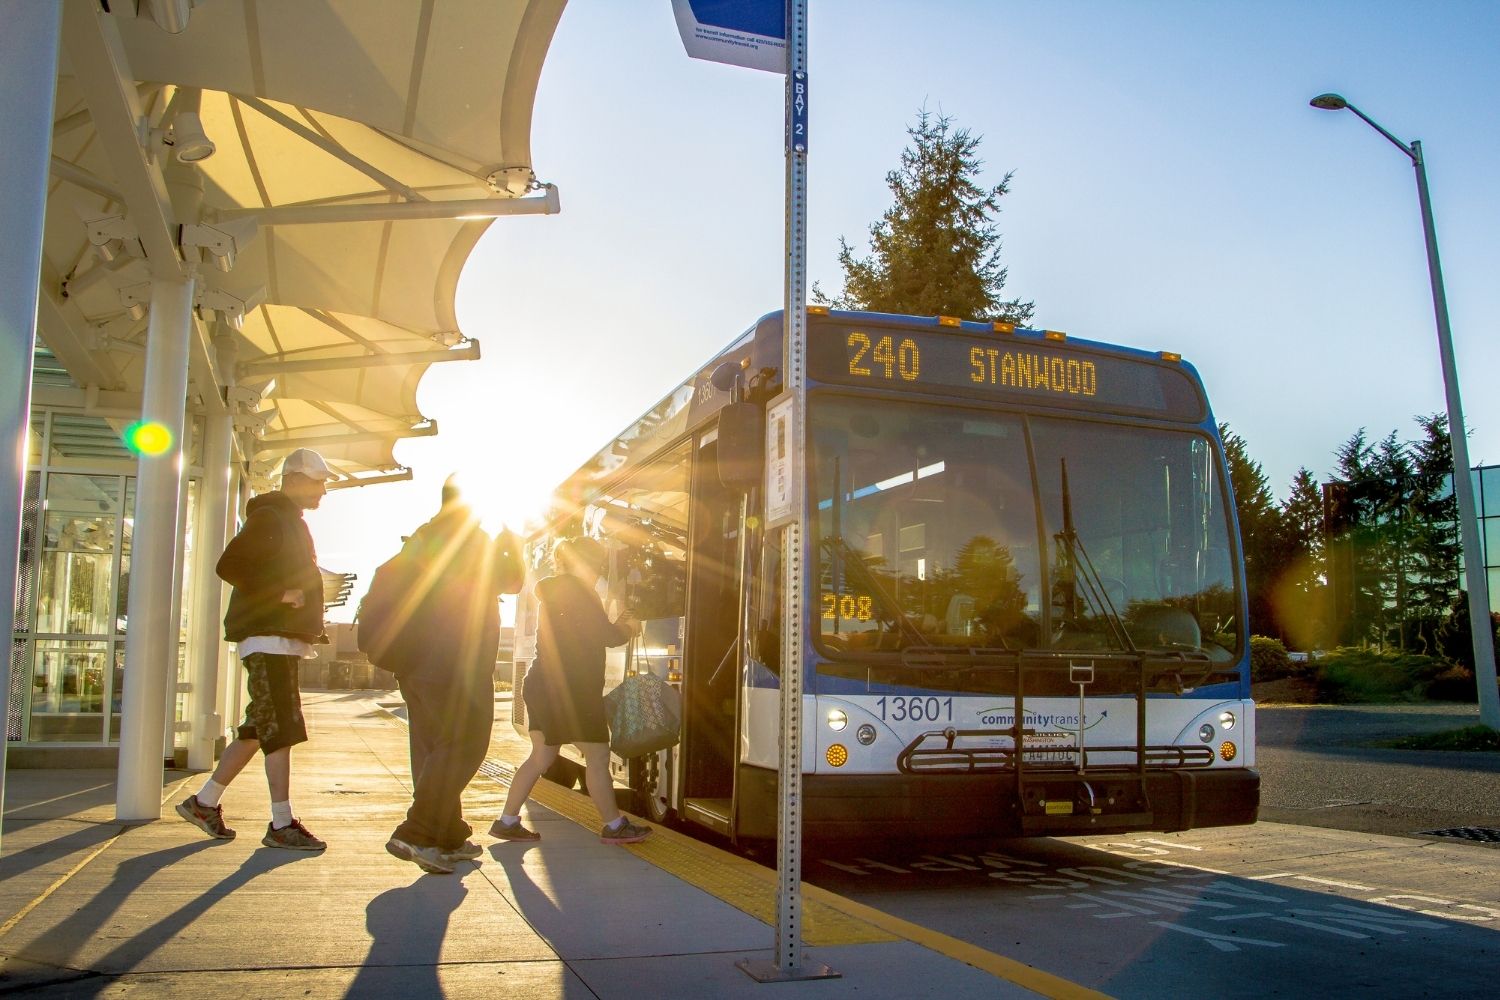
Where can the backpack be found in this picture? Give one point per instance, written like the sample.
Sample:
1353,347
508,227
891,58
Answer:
400,589
387,605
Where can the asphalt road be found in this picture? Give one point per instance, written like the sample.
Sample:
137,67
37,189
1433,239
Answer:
1321,766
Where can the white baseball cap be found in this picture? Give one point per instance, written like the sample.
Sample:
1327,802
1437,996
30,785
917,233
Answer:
306,462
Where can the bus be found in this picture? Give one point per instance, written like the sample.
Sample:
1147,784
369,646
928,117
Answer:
1025,600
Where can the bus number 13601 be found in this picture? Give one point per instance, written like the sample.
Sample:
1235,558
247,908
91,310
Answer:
903,709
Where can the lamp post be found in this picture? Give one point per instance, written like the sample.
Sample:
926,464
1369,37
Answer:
1463,484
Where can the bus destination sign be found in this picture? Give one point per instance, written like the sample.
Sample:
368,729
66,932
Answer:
1003,367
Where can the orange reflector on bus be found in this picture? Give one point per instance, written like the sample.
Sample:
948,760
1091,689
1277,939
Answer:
1055,335
837,755
1228,751
1000,326
948,321
1059,807
1170,356
817,310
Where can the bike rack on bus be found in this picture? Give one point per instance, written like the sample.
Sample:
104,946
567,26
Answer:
1060,796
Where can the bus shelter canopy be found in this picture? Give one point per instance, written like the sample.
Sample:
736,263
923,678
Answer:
325,167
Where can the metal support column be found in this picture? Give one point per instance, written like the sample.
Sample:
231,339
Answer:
790,961
151,637
203,622
28,70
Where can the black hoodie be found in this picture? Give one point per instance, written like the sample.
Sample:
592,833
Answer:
273,553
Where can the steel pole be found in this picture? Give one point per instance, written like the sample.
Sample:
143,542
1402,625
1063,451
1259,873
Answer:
151,637
1480,625
208,539
28,66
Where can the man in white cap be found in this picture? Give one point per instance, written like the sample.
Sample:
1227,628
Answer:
276,616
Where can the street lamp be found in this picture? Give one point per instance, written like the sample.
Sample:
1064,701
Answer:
1463,484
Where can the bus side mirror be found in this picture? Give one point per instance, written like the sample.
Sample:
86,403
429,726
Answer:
742,439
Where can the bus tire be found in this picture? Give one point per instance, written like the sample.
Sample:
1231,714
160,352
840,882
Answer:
650,780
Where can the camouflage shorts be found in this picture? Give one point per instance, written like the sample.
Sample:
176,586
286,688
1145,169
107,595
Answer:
274,714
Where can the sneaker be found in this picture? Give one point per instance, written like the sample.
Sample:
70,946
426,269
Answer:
429,859
467,851
294,838
209,819
502,830
628,833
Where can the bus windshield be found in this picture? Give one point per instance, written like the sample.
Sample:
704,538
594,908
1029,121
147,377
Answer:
951,528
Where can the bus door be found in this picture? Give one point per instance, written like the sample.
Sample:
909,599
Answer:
711,664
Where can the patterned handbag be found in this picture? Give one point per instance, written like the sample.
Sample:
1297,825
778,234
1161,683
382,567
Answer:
645,715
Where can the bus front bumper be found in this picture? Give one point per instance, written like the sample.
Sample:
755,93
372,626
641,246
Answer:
966,806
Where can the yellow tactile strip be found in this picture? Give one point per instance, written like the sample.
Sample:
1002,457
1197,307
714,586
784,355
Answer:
739,882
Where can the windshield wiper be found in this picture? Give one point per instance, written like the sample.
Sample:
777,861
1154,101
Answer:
958,658
1081,566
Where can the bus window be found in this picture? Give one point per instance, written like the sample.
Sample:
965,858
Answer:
765,606
925,528
1150,535
644,524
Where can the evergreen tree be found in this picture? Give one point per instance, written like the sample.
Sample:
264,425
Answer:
1366,587
936,250
1433,540
1301,595
1261,533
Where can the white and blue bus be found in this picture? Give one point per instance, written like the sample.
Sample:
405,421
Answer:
1025,591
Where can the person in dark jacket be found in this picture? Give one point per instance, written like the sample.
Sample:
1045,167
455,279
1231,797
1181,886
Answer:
564,690
275,616
443,654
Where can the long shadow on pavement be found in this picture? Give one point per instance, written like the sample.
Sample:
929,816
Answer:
61,944
407,927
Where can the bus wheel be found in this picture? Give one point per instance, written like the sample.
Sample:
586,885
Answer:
651,778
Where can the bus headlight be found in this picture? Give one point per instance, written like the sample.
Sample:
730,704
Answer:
865,734
837,719
1226,720
1206,733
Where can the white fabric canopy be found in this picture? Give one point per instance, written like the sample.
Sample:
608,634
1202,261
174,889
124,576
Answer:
362,147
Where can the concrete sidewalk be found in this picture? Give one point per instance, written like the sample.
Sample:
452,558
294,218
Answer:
91,907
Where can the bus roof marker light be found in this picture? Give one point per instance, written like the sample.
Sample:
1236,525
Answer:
817,310
1002,326
949,321
1055,335
1171,356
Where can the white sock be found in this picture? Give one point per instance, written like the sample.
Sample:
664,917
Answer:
210,793
281,815
509,820
618,822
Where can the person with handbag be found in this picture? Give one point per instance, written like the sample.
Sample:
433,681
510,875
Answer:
564,690
441,645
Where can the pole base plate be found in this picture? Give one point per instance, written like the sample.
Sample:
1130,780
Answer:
764,970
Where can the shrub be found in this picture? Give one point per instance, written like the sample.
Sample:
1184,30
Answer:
1268,659
1359,674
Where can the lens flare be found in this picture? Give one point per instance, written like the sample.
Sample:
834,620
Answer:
149,438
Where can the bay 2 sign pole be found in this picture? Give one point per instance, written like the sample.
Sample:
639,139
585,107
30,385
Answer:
747,33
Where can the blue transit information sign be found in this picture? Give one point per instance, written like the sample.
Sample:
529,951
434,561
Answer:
750,33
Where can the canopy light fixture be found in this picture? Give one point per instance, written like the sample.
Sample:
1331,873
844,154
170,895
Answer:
188,141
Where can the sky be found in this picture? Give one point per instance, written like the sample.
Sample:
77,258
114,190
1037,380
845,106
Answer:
1172,190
